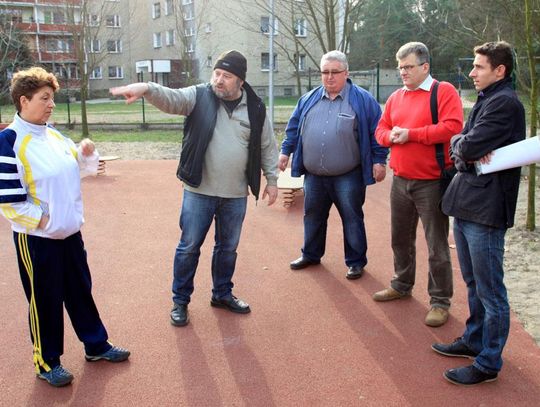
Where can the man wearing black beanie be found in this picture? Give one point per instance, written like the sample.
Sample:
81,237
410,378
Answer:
234,62
227,141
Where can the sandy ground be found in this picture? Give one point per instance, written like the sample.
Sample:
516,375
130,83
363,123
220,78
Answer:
522,247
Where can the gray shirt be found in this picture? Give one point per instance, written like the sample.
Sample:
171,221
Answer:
225,161
329,136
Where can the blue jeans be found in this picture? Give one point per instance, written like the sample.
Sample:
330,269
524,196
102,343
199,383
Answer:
348,193
480,252
198,212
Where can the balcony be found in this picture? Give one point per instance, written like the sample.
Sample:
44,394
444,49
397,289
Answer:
58,29
56,57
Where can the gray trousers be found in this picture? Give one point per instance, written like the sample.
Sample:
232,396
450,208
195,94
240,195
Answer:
409,201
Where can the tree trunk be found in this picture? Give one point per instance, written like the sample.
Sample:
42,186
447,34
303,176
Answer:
531,212
84,97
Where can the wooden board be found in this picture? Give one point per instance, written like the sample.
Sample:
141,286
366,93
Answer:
286,181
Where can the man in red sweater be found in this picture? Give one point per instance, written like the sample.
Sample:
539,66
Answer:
407,127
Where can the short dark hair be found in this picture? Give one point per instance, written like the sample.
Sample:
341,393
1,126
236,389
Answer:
419,49
497,53
28,82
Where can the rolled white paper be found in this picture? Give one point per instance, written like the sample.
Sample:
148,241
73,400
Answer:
524,152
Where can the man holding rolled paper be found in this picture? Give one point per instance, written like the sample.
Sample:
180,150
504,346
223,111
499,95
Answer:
483,207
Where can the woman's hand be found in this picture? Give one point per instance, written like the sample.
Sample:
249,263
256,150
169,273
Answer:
87,147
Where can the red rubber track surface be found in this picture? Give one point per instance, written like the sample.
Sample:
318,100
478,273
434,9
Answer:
313,338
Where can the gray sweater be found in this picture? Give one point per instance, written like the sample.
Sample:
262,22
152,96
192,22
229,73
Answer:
225,161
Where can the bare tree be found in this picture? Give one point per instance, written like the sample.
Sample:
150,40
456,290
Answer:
187,31
93,44
532,22
307,29
14,52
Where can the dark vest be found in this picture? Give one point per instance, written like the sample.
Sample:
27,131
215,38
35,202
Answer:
199,127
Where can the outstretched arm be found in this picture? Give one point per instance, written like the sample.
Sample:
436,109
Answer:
131,92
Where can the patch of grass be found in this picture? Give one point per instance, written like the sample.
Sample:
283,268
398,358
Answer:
138,135
282,101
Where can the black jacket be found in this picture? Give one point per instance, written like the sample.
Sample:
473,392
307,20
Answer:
497,120
198,131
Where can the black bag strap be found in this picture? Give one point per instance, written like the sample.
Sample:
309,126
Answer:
439,152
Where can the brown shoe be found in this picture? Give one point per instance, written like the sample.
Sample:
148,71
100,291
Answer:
436,316
389,294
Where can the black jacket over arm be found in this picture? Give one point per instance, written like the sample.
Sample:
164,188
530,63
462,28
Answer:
497,120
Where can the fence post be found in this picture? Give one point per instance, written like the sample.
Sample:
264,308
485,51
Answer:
143,125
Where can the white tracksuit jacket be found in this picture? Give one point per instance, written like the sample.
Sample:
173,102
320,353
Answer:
40,173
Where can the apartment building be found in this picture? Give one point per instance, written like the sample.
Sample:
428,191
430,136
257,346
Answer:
180,41
69,37
49,27
173,42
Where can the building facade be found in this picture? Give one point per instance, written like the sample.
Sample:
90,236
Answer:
49,28
172,42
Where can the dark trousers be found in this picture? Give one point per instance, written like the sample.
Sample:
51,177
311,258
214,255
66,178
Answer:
347,192
54,273
411,200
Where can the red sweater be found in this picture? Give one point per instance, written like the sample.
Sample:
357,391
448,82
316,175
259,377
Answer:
410,110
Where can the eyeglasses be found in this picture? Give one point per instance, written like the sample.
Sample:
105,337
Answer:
333,73
407,68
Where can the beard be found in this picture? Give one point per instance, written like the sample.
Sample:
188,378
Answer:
226,94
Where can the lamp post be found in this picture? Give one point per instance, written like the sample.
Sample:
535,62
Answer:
271,64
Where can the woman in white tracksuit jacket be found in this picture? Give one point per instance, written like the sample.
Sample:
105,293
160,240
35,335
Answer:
40,195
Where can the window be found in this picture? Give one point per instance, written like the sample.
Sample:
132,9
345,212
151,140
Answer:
112,21
116,72
60,71
300,62
114,46
287,92
157,40
209,61
54,17
65,71
188,15
169,38
169,7
95,46
93,20
300,27
265,61
190,48
185,2
156,10
189,32
96,73
265,25
208,27
58,45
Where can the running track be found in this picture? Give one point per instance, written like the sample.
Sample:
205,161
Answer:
313,338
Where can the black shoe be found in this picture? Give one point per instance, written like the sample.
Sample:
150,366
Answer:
455,349
355,272
468,376
179,315
302,263
231,303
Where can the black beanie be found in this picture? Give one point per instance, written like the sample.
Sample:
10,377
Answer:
233,62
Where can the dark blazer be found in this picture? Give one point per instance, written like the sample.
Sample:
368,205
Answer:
497,120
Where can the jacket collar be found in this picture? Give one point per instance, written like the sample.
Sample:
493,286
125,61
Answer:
38,130
494,87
